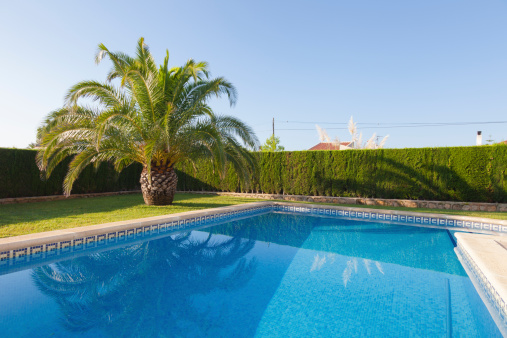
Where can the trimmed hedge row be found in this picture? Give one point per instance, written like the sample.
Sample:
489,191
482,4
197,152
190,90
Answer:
20,177
467,174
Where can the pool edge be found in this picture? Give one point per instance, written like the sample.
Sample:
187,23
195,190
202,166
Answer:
479,255
17,246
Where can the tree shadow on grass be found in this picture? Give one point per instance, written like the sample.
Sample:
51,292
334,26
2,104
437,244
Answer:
43,211
39,211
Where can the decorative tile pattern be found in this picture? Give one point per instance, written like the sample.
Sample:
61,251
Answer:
5,255
90,242
20,252
36,249
65,244
381,216
51,246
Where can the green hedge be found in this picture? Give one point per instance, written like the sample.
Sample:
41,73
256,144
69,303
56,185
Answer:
20,177
472,174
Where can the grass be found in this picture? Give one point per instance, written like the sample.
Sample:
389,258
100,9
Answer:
21,219
26,218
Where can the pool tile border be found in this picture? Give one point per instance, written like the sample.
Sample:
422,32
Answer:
402,217
91,236
19,249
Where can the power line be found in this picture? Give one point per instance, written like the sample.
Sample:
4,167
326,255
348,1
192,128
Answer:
403,125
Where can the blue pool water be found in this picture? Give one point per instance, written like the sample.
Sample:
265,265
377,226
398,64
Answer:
272,275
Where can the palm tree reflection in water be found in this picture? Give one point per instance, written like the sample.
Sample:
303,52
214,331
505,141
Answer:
149,289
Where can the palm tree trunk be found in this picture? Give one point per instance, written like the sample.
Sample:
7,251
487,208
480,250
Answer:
162,187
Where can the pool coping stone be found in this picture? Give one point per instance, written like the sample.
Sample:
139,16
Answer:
16,242
485,225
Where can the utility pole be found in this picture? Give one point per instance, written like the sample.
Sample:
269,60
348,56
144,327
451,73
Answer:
273,127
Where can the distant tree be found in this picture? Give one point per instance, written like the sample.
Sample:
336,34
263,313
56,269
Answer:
272,144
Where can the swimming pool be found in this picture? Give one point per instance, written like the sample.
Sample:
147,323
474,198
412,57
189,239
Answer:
273,274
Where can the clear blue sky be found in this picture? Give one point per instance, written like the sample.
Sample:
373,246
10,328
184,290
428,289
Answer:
431,61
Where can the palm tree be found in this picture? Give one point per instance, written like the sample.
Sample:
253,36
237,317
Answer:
156,116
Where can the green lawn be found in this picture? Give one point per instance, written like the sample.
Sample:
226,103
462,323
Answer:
20,219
